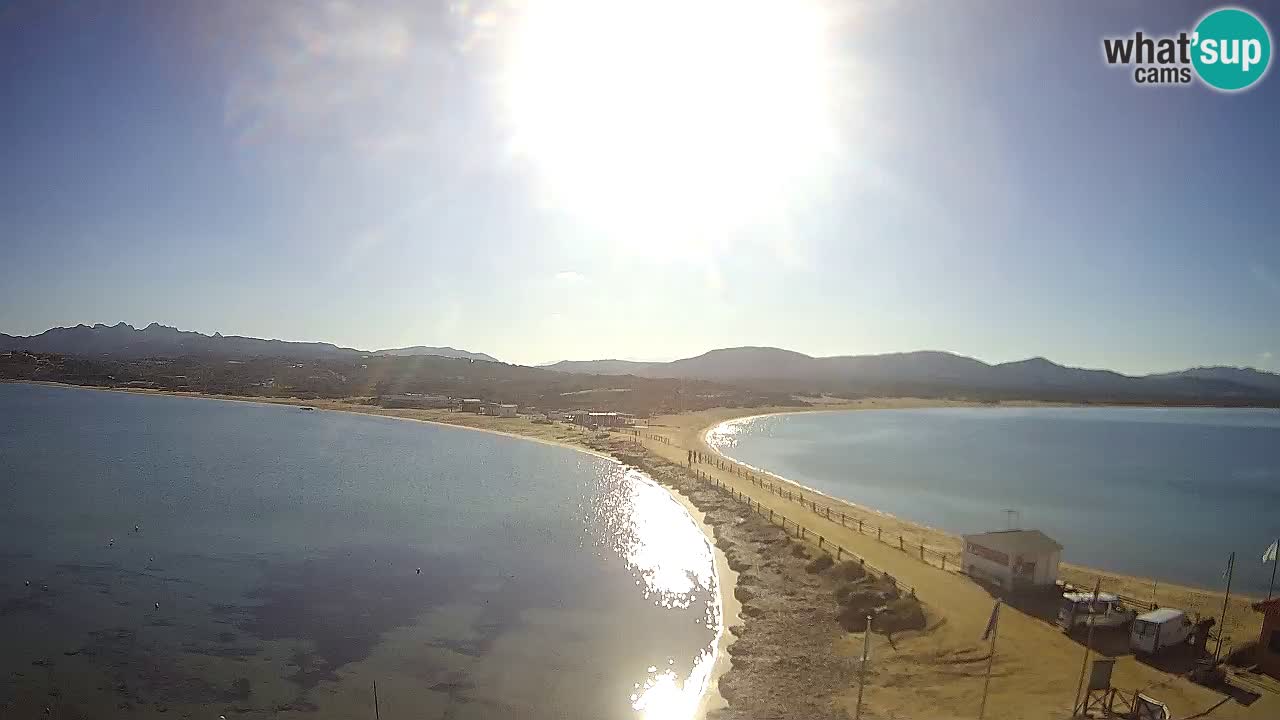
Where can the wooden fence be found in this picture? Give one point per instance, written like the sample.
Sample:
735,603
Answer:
918,550
795,529
789,492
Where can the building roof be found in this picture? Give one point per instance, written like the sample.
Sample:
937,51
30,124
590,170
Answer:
1032,540
1088,596
1267,606
1161,615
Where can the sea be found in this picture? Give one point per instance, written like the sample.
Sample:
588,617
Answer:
1163,493
183,557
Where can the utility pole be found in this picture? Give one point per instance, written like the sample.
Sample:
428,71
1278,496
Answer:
1088,644
1222,625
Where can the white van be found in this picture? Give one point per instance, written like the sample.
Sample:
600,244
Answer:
1159,629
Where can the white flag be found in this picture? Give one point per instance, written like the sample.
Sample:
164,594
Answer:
1270,554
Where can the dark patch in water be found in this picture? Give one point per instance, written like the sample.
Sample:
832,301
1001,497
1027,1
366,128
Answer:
15,606
142,676
343,603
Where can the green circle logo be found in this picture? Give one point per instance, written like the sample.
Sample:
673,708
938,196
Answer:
1232,49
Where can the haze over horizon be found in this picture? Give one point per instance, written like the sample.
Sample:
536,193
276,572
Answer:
392,174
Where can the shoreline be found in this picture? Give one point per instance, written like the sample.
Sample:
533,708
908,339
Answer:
788,654
711,699
1113,575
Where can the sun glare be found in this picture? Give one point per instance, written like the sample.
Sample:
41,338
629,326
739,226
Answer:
671,123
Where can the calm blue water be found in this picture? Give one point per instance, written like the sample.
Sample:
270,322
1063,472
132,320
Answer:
1164,493
284,549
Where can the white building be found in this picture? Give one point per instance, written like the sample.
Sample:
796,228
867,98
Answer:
1012,559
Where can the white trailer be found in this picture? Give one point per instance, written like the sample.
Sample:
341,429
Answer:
1159,629
1080,610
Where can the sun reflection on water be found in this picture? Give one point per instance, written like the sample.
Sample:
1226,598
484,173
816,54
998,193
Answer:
674,565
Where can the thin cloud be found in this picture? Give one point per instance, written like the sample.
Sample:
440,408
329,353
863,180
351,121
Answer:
570,276
371,78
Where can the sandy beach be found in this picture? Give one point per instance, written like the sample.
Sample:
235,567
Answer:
937,670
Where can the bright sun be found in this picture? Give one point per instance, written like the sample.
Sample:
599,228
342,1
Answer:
672,123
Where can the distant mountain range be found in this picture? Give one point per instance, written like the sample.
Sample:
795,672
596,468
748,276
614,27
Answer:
931,372
124,341
923,373
437,351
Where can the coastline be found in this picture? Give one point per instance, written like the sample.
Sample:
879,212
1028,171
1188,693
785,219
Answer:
726,578
787,630
1166,593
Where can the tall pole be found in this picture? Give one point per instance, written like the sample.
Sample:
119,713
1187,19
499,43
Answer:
376,714
991,660
1274,556
862,673
1222,626
1088,643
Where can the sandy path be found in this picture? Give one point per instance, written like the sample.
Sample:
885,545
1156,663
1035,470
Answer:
1036,667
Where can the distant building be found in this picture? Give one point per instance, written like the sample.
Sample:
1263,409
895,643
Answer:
507,411
414,400
1269,639
474,405
1012,559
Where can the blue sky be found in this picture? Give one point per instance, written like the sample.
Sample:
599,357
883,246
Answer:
564,182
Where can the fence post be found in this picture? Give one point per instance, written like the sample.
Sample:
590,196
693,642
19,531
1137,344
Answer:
901,546
770,515
859,526
842,520
839,552
944,561
878,531
821,540
801,530
921,552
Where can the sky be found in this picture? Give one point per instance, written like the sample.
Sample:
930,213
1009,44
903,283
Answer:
580,179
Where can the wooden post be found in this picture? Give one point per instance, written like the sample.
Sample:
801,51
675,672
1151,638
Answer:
921,552
878,531
376,714
944,561
862,671
900,544
993,628
859,526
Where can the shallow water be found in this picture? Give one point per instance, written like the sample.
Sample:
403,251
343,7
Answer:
283,548
1154,492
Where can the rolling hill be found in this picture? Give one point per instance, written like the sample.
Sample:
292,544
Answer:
934,373
161,341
